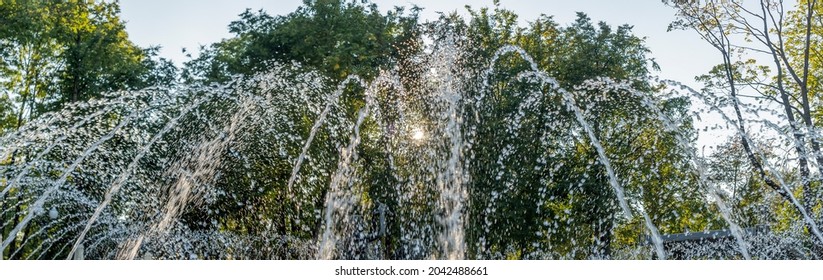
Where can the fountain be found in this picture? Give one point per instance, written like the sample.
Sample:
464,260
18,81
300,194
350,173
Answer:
289,164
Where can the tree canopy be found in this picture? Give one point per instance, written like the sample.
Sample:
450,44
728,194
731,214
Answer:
341,131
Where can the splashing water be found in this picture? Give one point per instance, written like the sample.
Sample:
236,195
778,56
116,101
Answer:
289,164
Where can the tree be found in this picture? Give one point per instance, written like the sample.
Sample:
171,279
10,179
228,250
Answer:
53,53
28,52
57,52
550,133
743,188
338,39
346,39
766,28
547,193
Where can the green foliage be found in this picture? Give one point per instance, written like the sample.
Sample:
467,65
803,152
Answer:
548,197
53,53
57,52
337,38
537,186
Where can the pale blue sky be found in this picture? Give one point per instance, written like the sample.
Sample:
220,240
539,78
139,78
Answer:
189,23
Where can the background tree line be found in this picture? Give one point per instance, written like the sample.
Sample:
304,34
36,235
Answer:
538,187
